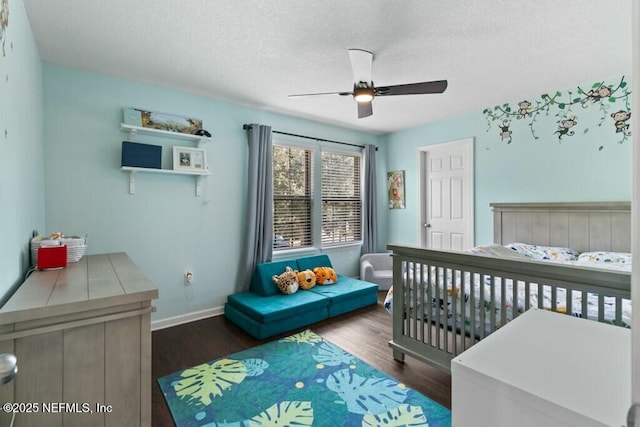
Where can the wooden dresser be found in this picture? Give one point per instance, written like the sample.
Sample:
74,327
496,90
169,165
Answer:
82,337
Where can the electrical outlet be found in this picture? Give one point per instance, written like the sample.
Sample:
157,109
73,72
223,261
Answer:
188,278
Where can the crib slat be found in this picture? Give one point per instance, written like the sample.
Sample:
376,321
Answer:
584,309
514,300
421,296
569,298
405,298
541,295
463,312
503,297
444,302
439,276
600,308
429,304
416,301
492,314
454,307
618,319
481,305
472,308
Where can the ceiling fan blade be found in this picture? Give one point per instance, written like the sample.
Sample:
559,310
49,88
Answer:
365,109
422,88
321,93
361,62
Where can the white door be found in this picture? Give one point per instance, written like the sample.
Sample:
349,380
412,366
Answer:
446,189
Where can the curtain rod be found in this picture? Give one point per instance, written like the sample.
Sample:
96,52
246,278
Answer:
246,126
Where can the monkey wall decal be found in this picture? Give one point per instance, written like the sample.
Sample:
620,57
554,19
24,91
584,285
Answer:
564,128
620,121
601,96
603,92
505,133
523,109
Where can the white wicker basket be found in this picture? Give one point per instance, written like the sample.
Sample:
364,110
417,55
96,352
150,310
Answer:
76,247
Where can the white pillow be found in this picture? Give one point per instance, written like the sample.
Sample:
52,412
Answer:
602,257
496,251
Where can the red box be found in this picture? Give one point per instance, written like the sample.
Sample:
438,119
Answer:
50,257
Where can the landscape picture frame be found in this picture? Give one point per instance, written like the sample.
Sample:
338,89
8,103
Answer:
161,121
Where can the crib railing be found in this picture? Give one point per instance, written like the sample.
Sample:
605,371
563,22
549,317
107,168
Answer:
444,302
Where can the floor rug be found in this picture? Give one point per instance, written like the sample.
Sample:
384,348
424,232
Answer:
301,380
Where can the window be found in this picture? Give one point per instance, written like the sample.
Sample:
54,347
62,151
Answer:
300,175
291,197
341,202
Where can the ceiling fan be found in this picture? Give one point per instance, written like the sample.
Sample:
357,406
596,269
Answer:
364,91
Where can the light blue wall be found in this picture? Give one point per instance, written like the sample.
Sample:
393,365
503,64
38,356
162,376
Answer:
21,172
526,170
164,227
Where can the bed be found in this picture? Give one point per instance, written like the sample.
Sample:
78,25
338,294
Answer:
571,258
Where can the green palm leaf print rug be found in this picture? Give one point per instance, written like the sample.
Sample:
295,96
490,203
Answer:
300,380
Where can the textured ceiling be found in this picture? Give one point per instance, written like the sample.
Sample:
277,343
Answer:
256,52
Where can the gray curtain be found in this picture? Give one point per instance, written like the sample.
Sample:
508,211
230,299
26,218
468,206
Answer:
369,212
258,245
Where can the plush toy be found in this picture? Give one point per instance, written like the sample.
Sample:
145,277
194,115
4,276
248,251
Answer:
287,282
307,279
325,275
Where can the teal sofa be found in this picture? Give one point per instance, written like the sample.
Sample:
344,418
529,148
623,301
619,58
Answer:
263,311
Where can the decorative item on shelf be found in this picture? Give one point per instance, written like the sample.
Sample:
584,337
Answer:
76,246
189,159
202,132
161,121
132,117
141,155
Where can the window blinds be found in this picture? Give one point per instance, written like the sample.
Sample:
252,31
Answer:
339,183
341,199
292,224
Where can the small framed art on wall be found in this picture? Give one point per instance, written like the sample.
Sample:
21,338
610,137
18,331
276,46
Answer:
395,186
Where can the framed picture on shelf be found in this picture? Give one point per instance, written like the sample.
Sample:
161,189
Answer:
189,159
161,121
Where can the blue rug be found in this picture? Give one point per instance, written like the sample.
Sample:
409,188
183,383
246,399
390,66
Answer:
301,380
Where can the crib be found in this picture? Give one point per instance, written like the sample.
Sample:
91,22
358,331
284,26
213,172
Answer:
444,301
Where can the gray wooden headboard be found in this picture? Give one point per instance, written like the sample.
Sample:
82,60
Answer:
591,226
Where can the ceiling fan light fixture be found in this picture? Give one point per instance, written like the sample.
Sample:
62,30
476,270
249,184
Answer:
364,90
363,94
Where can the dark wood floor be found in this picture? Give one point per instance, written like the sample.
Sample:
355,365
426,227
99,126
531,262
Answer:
365,333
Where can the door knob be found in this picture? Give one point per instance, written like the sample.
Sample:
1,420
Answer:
427,225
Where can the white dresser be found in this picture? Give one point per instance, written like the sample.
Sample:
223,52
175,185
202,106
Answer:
544,369
82,336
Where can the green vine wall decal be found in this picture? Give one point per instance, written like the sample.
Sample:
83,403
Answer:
566,107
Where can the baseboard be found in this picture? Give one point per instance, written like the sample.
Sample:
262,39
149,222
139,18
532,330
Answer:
186,318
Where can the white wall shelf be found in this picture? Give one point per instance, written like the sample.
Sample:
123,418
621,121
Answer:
133,130
139,130
134,170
